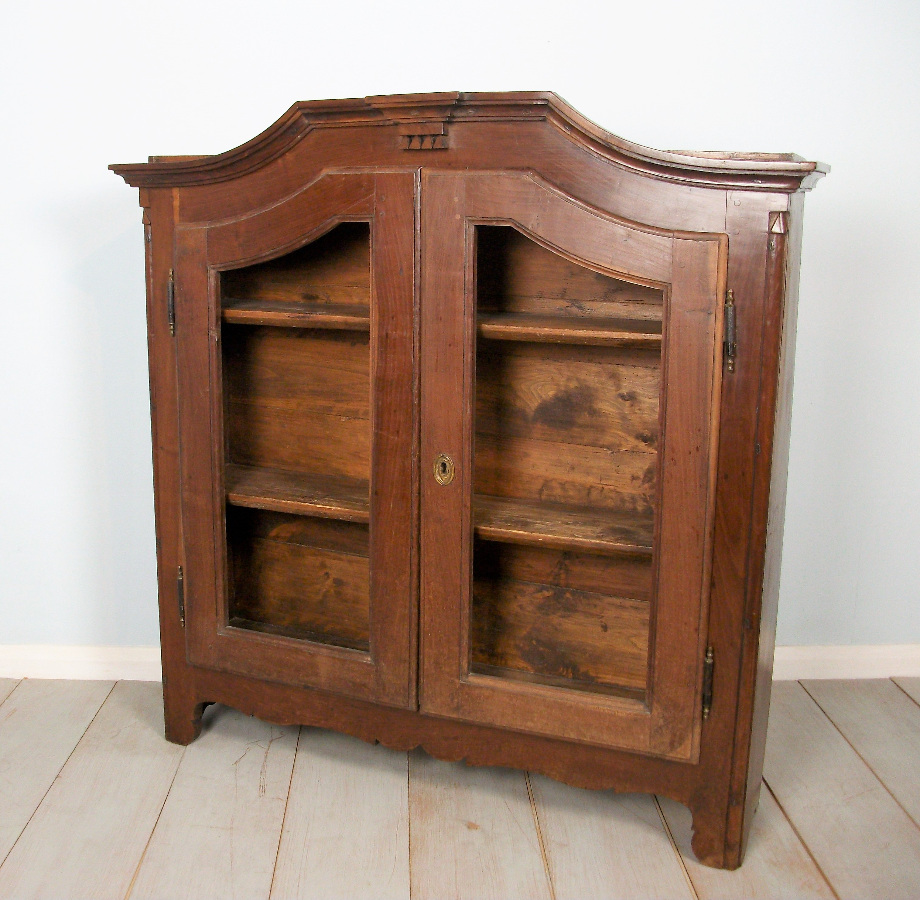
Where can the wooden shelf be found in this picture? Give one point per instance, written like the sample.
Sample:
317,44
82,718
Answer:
285,314
321,496
562,527
570,330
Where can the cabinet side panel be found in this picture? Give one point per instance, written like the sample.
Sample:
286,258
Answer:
745,223
782,278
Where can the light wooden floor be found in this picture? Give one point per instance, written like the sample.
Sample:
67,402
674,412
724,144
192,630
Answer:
95,803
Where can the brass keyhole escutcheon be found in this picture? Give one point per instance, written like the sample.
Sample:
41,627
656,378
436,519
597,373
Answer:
444,469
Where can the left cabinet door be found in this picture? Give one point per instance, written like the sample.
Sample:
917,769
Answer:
295,333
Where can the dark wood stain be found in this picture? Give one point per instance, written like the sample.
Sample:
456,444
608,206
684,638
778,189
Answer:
581,623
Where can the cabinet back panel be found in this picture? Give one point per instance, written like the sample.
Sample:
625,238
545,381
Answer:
301,577
298,399
515,274
579,395
569,618
567,424
334,269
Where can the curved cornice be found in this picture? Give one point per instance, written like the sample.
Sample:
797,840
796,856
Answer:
430,114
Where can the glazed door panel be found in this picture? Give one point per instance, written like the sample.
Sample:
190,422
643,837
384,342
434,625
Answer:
571,375
296,354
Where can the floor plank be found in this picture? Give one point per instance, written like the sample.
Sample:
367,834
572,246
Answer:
883,725
865,844
6,688
910,686
219,830
473,833
599,843
87,836
40,724
346,831
776,865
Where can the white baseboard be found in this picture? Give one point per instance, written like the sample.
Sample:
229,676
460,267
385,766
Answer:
143,663
80,663
849,661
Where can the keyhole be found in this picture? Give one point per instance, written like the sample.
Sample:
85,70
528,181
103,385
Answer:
444,469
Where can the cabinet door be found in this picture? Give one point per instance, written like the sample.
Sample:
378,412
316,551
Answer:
295,330
571,372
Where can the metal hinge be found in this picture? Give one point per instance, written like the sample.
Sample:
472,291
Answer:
707,683
180,594
171,302
730,344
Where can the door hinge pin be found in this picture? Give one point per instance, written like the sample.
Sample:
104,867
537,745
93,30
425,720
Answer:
730,344
171,302
180,594
707,683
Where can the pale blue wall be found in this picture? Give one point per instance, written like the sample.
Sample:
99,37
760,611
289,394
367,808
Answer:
88,84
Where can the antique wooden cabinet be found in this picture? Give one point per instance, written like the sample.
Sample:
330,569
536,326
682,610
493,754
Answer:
470,426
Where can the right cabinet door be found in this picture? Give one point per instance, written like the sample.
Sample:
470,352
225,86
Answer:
571,374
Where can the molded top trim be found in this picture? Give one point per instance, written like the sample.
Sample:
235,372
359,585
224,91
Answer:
752,171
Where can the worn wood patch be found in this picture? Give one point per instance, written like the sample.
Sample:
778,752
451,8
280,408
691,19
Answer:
568,395
591,639
322,496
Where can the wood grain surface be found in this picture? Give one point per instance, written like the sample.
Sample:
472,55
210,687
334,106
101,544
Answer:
226,807
310,579
473,834
40,724
837,802
562,527
346,830
7,686
910,686
622,832
568,395
107,796
882,725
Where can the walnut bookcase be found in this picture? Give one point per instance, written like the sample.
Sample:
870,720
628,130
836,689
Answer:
470,428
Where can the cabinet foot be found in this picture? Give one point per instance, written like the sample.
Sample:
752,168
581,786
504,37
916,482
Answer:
712,844
183,719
